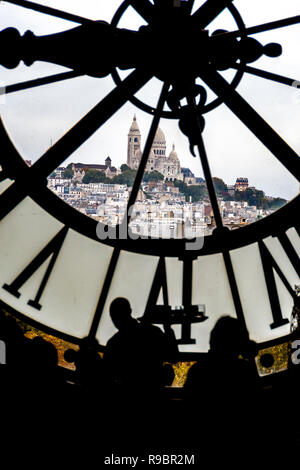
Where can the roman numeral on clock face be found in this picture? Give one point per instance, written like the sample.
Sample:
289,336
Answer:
51,250
160,284
270,267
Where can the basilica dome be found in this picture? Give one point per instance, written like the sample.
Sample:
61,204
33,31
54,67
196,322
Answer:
159,137
173,155
157,160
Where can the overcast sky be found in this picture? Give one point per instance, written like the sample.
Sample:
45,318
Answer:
37,118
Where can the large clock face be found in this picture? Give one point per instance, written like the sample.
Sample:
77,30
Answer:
59,268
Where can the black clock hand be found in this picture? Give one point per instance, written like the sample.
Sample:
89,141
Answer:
58,77
51,11
94,50
266,26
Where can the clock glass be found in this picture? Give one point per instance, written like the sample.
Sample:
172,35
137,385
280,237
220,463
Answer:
150,151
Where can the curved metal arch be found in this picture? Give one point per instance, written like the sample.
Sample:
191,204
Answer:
221,240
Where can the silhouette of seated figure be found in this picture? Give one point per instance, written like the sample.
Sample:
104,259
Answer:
228,372
221,389
31,364
44,379
89,369
43,359
134,355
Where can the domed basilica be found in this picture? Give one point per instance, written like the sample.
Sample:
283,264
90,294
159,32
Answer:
169,166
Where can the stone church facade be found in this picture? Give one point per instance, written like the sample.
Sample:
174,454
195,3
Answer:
80,169
168,166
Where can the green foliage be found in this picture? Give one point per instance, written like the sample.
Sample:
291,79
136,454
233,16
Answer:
68,173
256,197
277,203
197,193
220,187
126,177
95,176
124,167
153,176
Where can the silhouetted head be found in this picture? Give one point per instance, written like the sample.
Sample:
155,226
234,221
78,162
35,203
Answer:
10,330
120,312
228,337
44,353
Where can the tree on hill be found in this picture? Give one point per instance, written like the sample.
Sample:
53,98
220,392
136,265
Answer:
256,197
277,202
196,192
124,167
220,187
95,176
153,176
253,197
126,177
68,173
181,185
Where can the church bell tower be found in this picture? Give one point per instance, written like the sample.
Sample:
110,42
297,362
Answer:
134,143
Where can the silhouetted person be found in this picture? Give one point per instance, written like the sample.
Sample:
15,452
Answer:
229,364
222,389
134,355
31,367
44,383
89,368
224,383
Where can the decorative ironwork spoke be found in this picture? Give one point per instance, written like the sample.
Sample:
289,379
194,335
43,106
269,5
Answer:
218,218
209,182
51,11
40,81
104,293
209,11
265,27
234,290
90,123
205,163
144,8
74,49
268,75
146,152
260,128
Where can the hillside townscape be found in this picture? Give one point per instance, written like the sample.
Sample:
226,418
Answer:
170,197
